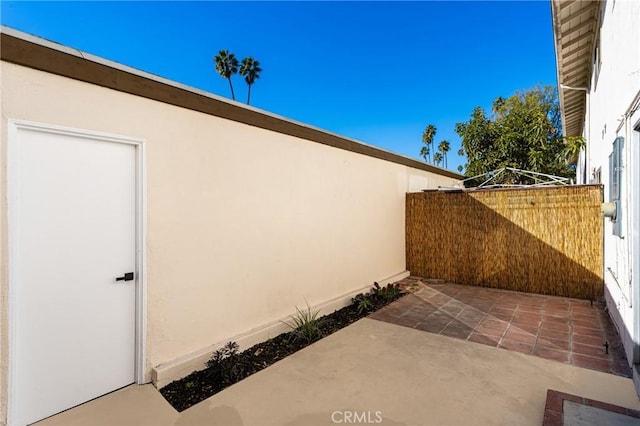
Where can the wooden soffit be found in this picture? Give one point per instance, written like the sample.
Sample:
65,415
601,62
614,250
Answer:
575,29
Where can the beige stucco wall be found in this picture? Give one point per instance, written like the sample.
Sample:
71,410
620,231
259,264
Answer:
243,224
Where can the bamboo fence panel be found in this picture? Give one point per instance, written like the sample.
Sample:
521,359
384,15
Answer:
537,240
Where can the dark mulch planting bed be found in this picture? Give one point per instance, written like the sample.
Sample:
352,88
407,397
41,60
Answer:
202,384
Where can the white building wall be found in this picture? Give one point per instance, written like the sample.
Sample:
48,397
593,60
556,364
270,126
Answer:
243,224
613,89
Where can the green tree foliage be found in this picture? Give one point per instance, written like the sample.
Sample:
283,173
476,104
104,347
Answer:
424,152
444,147
250,70
428,149
226,66
437,158
524,132
573,146
427,139
461,153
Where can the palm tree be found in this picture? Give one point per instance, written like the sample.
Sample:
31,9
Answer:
444,147
437,158
226,66
460,168
424,152
250,69
427,138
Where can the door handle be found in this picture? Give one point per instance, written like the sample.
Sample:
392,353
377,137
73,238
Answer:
126,277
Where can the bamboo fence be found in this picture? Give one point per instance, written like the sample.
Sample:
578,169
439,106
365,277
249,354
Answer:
537,240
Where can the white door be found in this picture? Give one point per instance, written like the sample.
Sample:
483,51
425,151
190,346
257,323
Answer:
73,232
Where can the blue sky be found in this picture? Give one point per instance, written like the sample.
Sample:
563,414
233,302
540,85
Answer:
378,72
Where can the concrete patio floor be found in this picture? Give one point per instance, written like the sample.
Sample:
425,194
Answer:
400,375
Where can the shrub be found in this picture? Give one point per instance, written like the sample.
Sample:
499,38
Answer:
387,293
363,302
377,297
305,325
224,365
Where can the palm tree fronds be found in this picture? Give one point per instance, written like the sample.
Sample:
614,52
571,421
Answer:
251,70
226,66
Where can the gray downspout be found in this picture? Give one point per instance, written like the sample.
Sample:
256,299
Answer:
635,244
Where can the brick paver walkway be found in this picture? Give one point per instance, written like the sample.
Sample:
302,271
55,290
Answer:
566,330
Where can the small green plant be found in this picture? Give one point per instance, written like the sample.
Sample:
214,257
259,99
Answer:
227,351
363,302
376,298
189,385
224,365
390,292
305,325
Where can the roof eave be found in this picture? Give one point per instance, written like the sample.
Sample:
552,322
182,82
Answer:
575,30
30,51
